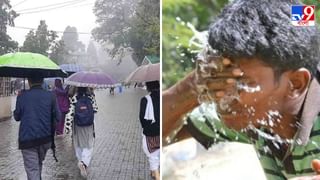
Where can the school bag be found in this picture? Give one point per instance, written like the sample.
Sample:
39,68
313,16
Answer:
84,114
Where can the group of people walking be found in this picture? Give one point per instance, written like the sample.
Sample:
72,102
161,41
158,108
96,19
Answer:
44,114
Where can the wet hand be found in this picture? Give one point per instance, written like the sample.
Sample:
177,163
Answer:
315,164
216,77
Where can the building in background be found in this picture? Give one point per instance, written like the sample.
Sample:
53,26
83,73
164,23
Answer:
6,90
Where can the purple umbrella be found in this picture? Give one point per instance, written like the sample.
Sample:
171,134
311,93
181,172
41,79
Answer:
91,79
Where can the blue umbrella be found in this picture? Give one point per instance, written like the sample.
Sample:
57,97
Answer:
71,68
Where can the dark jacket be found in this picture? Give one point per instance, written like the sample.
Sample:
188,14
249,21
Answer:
37,112
148,128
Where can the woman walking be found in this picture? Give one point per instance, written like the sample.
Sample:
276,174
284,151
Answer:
150,121
81,119
63,104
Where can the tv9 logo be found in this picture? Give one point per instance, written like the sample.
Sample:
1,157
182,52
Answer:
303,15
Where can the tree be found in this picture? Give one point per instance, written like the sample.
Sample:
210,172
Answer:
7,16
129,24
70,38
92,52
40,41
58,52
74,50
144,36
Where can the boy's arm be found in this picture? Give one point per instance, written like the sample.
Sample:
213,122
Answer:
176,102
183,97
17,111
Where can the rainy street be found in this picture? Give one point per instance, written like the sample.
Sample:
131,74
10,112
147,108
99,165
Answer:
117,151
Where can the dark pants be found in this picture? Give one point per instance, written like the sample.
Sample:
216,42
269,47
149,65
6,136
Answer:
33,158
60,125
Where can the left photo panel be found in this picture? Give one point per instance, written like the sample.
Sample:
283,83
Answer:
80,89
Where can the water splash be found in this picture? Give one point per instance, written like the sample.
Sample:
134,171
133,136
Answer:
246,88
199,39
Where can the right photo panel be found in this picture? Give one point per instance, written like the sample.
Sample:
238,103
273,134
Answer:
240,89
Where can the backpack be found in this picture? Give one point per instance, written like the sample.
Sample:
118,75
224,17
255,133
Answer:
84,114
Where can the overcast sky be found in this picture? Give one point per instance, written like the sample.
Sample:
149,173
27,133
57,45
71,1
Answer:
77,13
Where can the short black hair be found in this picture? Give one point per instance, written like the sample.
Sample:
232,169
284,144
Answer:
262,29
153,85
82,91
36,80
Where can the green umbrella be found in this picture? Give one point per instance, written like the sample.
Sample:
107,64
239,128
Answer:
26,64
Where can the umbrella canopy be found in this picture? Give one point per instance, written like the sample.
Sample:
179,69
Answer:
25,64
91,79
71,68
145,73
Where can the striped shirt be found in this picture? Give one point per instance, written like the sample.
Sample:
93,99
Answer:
208,130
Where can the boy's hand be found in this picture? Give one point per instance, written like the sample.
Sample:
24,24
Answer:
214,77
315,164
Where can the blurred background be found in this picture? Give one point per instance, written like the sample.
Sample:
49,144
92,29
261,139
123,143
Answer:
184,26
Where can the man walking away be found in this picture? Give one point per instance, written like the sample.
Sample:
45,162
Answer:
36,110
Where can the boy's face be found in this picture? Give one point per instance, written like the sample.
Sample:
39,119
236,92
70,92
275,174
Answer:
262,97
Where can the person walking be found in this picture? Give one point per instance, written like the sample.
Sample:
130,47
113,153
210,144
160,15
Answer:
80,119
37,112
63,104
150,121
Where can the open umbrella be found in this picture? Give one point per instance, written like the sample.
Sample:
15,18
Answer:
91,79
71,68
25,64
145,73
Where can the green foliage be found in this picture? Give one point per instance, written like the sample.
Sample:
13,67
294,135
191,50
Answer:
7,16
39,41
176,52
129,24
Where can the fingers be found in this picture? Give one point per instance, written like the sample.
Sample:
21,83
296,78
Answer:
213,65
215,77
214,71
220,84
315,164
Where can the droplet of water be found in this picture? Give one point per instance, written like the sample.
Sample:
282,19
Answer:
271,123
246,88
276,145
298,141
168,140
